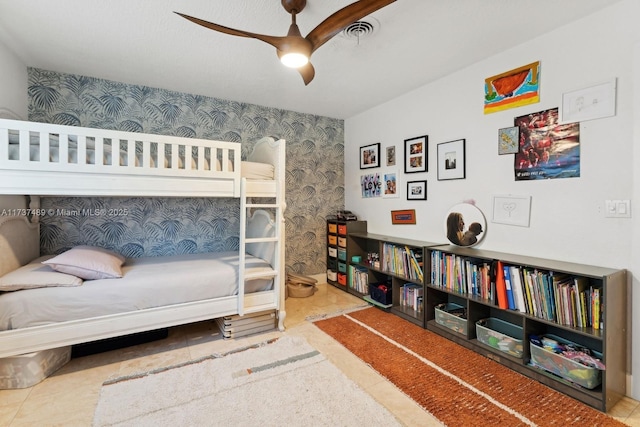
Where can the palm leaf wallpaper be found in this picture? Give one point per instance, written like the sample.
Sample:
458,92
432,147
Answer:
163,226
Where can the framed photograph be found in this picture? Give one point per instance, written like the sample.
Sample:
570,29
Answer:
370,156
391,155
508,140
590,103
415,154
451,160
390,185
371,185
512,210
417,190
407,216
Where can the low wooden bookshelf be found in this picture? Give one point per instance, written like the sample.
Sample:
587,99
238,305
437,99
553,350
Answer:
458,292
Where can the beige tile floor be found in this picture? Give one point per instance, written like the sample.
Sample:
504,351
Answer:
69,397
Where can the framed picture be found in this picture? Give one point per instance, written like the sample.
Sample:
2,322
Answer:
417,190
407,216
370,156
391,155
451,160
371,185
415,154
390,185
512,210
508,140
589,103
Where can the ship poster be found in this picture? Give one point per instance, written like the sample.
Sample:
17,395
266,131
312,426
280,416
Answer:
547,149
513,88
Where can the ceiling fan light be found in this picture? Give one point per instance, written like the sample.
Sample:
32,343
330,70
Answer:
294,59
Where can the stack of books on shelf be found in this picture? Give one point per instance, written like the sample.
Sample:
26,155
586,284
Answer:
560,298
412,296
402,261
462,275
359,279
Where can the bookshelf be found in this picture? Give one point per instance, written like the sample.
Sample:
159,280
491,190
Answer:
570,303
565,302
339,252
400,266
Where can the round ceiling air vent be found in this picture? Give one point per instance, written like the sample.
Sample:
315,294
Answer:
360,29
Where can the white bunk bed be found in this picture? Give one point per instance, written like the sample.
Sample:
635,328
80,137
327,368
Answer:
40,159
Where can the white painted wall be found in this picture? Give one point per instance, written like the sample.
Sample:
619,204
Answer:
13,104
567,215
13,85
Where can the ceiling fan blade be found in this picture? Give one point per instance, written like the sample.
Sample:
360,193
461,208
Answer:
341,19
307,72
274,41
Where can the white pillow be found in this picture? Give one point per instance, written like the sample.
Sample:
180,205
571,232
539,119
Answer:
88,262
36,275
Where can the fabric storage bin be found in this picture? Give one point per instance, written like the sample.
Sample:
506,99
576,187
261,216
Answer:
342,229
342,241
500,335
571,370
452,316
342,279
333,228
27,370
332,264
342,254
333,252
342,267
332,275
333,240
380,292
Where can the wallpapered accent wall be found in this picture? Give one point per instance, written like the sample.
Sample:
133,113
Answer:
163,226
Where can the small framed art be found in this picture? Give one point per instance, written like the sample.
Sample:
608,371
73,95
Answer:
415,154
406,216
370,156
417,190
391,155
508,140
451,160
589,103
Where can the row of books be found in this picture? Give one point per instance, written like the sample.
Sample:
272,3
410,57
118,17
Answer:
412,296
462,275
561,298
402,261
359,279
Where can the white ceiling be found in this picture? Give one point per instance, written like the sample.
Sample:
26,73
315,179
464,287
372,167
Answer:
143,42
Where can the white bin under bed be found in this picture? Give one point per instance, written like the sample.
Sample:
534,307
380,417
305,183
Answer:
27,370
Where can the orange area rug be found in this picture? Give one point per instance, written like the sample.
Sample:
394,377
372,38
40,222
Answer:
454,384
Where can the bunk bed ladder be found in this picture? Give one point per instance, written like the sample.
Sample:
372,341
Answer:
277,272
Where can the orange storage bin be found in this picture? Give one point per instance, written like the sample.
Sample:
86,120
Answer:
342,279
333,228
342,229
333,240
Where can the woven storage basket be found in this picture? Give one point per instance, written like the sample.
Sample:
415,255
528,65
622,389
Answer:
300,290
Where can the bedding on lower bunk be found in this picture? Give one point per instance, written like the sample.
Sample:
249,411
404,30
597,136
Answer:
146,283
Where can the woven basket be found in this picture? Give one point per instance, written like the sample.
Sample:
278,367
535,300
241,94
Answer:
300,290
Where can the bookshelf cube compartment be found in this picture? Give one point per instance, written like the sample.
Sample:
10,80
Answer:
333,252
500,335
342,267
342,279
452,316
380,292
571,370
342,242
332,275
333,240
332,227
342,229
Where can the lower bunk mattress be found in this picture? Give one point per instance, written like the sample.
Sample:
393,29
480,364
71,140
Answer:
146,283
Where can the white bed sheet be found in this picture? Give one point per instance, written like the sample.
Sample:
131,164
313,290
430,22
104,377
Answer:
146,283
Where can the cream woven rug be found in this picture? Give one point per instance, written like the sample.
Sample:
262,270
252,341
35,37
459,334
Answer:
279,383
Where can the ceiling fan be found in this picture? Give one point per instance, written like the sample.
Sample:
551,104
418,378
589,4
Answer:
295,50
